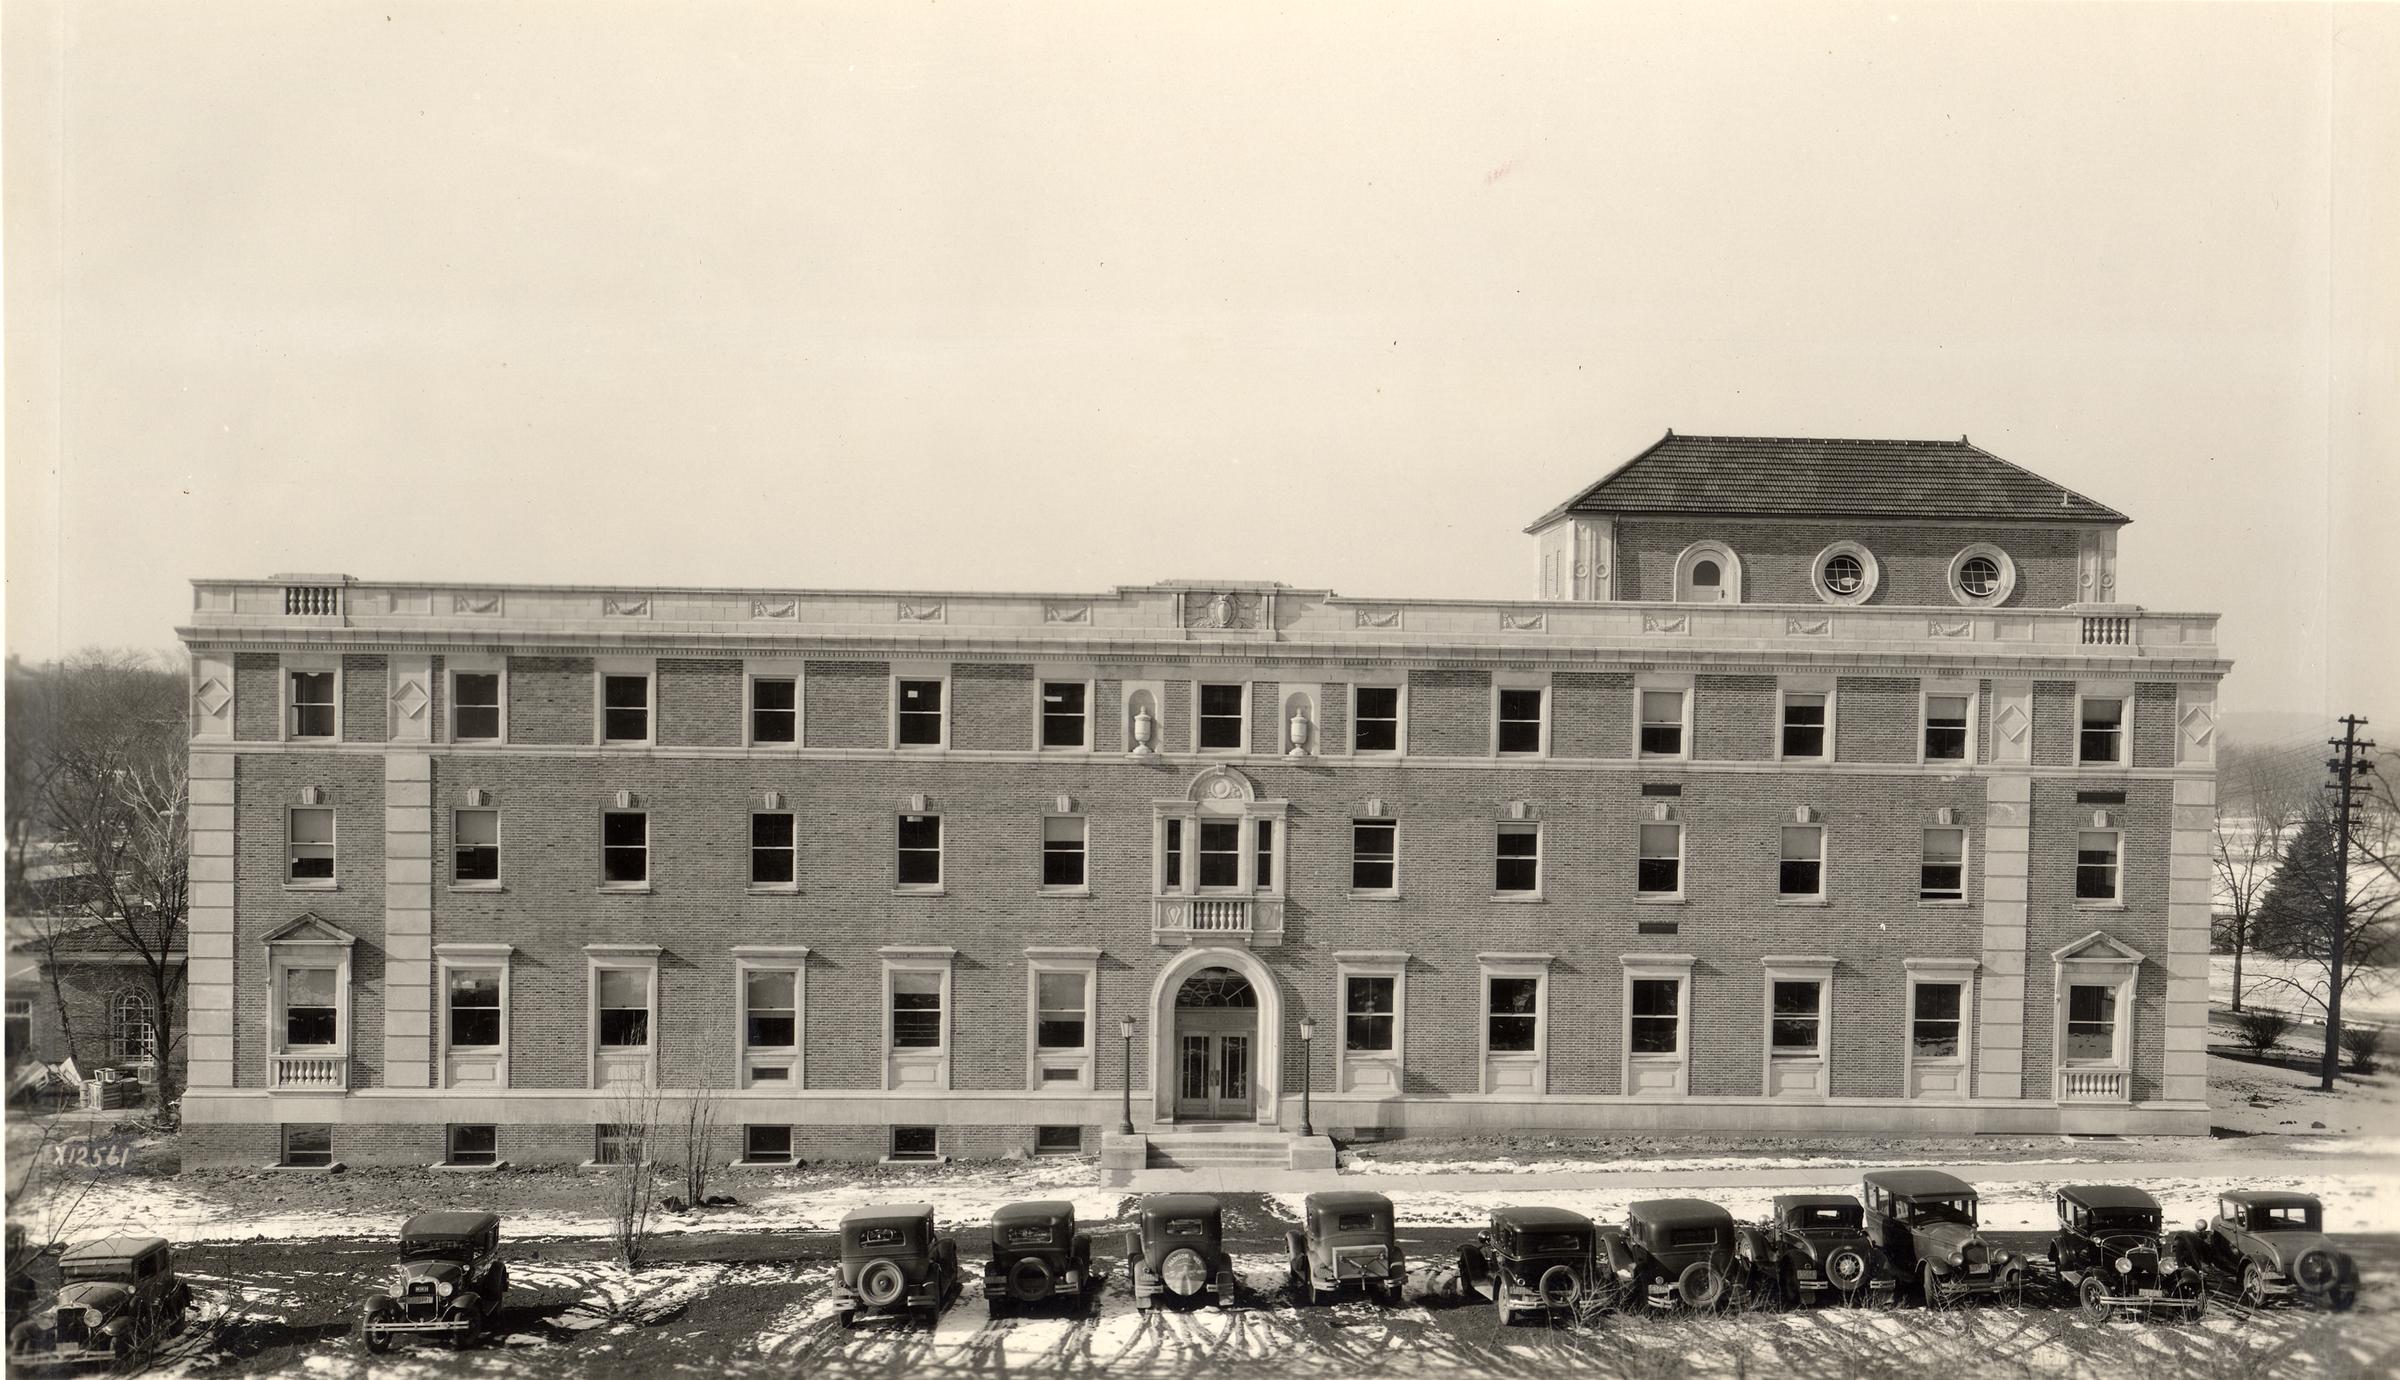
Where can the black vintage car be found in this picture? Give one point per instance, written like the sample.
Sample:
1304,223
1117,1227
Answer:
118,1298
1345,1239
1810,1246
1177,1249
894,1262
1532,1258
1924,1223
2113,1256
2273,1246
1671,1252
1036,1256
449,1283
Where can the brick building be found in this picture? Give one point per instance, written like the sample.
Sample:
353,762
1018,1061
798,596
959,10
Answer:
1826,784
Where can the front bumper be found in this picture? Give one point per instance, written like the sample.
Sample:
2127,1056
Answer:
1968,1281
2152,1300
59,1360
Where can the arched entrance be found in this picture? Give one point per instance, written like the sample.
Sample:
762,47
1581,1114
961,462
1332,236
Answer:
1213,1050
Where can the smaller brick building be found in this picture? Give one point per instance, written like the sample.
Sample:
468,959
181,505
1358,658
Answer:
77,993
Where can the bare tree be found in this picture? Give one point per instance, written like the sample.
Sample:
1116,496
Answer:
633,1191
2258,802
49,1195
105,750
2297,917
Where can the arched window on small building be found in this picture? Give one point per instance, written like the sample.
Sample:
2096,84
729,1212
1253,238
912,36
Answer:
132,1033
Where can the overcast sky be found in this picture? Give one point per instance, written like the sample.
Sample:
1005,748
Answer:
993,296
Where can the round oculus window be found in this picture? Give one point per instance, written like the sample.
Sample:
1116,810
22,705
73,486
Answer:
1979,576
1844,574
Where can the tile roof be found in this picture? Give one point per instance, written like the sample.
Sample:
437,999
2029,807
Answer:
1783,476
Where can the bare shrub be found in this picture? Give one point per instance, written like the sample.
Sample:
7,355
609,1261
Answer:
699,1137
2362,1043
633,1192
2259,1030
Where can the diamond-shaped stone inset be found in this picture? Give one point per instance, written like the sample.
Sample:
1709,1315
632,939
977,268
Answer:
213,697
2199,725
411,700
2012,723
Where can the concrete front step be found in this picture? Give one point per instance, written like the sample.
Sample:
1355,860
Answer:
1211,1152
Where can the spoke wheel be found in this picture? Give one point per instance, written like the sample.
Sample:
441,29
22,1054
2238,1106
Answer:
2254,1285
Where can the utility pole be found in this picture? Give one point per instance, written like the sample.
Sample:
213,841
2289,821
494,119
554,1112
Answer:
2346,769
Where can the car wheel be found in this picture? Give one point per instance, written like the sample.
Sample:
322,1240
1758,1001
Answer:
2199,1308
1500,1306
377,1311
22,1337
1030,1279
2343,1297
468,1314
2254,1284
880,1284
1929,1287
1787,1286
495,1287
2093,1296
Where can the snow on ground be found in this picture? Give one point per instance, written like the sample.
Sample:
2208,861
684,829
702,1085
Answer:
2364,1203
2266,982
1365,1162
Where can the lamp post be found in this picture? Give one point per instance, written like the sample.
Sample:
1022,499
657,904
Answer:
1125,1122
1308,1035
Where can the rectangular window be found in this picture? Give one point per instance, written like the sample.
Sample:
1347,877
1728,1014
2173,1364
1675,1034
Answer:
1801,873
1513,1014
916,1010
1945,728
1220,853
625,709
1942,873
2102,734
1377,727
1058,1140
1374,855
307,1145
775,710
475,707
1263,865
474,995
767,1144
311,845
1934,1021
1662,723
920,717
1520,721
474,1145
1064,715
1656,1016
1174,854
310,1017
475,846
1369,1007
1803,725
774,849
624,847
2091,1024
920,850
1062,1019
312,704
1221,715
612,1144
1659,870
1797,1028
916,1143
2096,865
1517,859
623,995
770,1008
1063,840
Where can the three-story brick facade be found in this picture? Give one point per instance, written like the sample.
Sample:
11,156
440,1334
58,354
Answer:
1825,785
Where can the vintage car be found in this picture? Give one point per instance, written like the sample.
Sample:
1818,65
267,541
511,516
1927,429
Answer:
1036,1256
1923,1222
2113,1255
1671,1252
23,1291
1811,1244
449,1283
1345,1239
1178,1249
894,1262
118,1298
2274,1245
1532,1258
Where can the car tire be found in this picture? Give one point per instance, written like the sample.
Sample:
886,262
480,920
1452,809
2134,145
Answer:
1929,1287
21,1337
377,1310
1787,1287
1500,1306
2254,1284
469,1312
880,1284
1030,1279
2199,1308
2092,1298
1700,1287
495,1287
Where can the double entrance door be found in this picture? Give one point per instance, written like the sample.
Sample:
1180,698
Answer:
1215,1050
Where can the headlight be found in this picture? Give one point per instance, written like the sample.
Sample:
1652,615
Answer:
2124,1265
443,1288
2168,1264
1958,1255
1625,1273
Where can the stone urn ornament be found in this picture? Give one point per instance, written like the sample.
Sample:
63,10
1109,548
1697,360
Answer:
1300,730
1144,727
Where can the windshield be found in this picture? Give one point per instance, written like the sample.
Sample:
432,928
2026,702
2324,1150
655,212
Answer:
1959,1210
1835,1215
2125,1219
435,1250
118,1270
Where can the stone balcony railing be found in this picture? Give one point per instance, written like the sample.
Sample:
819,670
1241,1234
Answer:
336,609
1215,920
2094,1085
309,1072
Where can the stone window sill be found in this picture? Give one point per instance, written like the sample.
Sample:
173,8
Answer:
920,891
1067,891
624,888
468,1168
1374,895
312,886
1946,902
485,888
1517,898
2099,905
1659,898
928,1160
337,1167
785,1162
774,889
1800,900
